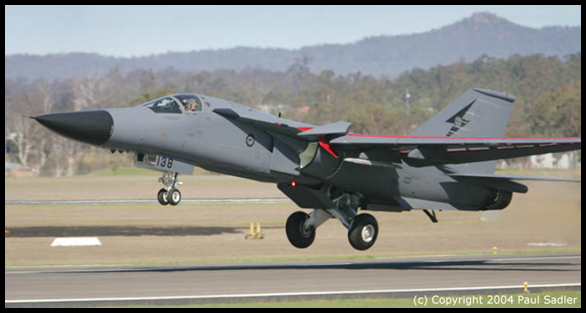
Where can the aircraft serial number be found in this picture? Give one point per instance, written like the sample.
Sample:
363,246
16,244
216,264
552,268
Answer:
164,162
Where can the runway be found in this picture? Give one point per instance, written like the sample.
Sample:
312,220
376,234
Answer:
276,281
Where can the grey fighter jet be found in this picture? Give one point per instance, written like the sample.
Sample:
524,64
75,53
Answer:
446,164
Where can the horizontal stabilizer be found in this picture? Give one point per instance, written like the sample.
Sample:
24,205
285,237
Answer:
506,182
521,178
418,204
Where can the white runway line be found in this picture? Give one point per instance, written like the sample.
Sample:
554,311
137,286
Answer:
283,295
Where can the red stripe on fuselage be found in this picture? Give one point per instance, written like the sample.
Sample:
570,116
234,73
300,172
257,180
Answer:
458,138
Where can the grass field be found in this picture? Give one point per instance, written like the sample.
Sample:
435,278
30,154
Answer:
531,301
132,187
546,219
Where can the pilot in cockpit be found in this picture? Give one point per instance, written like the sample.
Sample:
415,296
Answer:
191,105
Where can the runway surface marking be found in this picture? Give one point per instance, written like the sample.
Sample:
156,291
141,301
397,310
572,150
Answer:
288,295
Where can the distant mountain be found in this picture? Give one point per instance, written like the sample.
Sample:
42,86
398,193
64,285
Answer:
483,33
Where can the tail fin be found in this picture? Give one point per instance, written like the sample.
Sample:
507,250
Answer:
478,113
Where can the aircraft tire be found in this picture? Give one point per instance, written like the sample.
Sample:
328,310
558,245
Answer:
298,237
174,196
363,232
162,197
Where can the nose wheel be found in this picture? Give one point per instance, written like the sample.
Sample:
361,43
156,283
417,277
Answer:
162,197
174,196
170,195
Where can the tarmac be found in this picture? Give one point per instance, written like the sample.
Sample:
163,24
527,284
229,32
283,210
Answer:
91,286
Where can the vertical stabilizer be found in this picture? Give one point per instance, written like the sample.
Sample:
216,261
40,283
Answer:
478,113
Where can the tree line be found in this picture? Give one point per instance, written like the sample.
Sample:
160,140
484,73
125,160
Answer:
548,91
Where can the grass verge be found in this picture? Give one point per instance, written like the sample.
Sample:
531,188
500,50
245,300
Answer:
570,299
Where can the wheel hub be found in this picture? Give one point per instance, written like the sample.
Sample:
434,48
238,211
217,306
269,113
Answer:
305,231
368,233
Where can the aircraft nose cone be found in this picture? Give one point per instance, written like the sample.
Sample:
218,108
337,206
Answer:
93,127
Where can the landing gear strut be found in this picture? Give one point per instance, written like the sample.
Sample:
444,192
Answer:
169,195
363,229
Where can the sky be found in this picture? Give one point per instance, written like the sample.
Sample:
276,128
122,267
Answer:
131,31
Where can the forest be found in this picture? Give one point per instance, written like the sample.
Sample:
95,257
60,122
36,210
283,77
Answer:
548,91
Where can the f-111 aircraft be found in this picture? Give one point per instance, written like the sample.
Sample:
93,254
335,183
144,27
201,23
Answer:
446,164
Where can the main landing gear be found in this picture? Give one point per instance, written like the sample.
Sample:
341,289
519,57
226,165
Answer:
170,194
363,229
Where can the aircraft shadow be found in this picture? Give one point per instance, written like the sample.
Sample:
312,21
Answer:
475,266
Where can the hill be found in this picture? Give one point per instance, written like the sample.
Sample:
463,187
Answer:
483,33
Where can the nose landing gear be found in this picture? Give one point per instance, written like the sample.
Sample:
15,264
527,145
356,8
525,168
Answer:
169,195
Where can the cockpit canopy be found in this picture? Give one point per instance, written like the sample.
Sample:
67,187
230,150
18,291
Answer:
177,104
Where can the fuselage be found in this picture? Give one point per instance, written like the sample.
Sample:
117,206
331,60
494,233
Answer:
221,145
196,134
